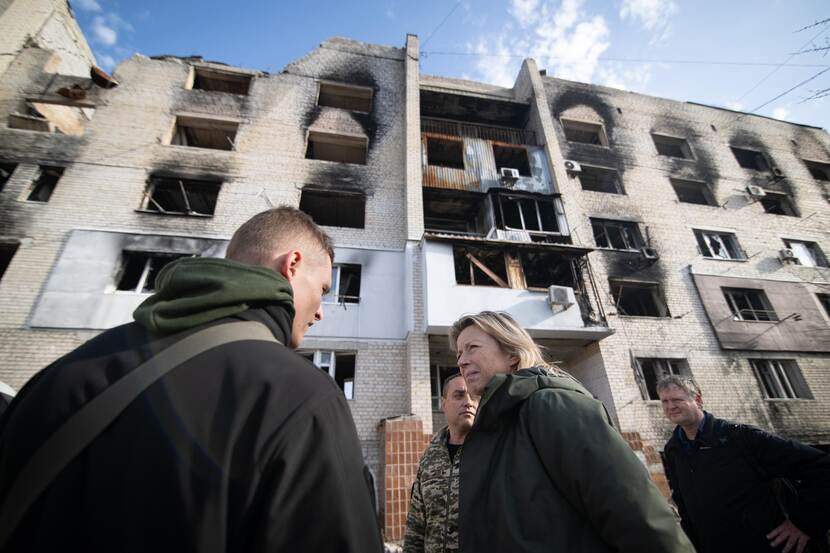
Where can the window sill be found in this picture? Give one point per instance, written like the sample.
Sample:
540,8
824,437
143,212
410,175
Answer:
603,146
196,148
175,214
616,250
750,321
605,192
721,259
645,317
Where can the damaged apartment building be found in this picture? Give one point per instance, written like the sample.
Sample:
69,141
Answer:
633,236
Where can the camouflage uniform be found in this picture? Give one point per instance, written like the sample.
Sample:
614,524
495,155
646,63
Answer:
432,523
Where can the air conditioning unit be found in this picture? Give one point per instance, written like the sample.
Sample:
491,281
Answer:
787,255
561,296
649,253
755,191
572,166
509,174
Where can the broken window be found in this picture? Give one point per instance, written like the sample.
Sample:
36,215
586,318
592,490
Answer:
584,132
453,212
221,81
345,284
6,170
650,370
718,245
808,254
180,196
335,147
339,365
334,209
780,379
7,251
671,146
637,299
545,269
617,235
445,153
480,266
526,213
213,134
512,157
693,192
749,305
751,159
778,203
819,170
599,179
139,270
437,375
352,98
52,118
43,186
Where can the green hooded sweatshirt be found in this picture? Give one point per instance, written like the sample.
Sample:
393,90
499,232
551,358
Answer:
197,290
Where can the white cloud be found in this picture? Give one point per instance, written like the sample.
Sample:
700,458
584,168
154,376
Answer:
735,106
636,78
106,61
652,14
89,5
781,112
390,12
104,32
525,11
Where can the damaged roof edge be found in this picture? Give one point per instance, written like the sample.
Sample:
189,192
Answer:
203,62
753,115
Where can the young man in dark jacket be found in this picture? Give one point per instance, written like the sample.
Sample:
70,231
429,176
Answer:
245,447
721,473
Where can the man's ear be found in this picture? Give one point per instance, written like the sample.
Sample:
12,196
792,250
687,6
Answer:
699,400
287,263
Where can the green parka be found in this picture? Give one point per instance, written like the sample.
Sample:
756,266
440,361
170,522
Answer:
544,470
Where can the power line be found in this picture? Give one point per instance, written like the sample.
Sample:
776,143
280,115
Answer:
435,30
802,83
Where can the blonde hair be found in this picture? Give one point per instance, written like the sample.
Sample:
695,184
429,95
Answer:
512,338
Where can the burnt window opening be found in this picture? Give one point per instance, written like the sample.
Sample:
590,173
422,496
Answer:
778,203
480,266
635,299
6,170
7,251
808,254
454,212
437,375
337,364
334,209
780,379
345,284
445,153
179,196
819,171
349,97
512,157
335,147
545,269
528,214
45,184
221,81
52,118
212,134
584,132
751,159
693,192
823,299
139,270
616,235
671,146
600,179
719,245
749,305
650,370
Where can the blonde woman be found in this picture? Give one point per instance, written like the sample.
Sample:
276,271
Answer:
543,467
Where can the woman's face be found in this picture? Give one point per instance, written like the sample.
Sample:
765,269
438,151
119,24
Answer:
480,358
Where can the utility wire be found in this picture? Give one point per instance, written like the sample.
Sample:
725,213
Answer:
435,30
802,83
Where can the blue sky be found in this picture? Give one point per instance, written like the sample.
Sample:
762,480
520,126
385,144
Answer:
638,45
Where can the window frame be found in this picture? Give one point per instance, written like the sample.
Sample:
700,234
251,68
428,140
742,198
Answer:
784,381
8,249
655,290
817,257
738,314
584,126
666,366
330,367
184,121
153,182
312,194
333,296
8,167
723,237
364,93
785,201
668,140
145,272
620,189
759,156
39,180
536,201
456,141
705,189
626,228
437,377
212,73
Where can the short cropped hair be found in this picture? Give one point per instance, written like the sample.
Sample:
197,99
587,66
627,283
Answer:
685,383
276,230
447,381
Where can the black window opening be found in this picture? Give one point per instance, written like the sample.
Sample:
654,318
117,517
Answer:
617,235
512,157
636,299
780,379
672,147
480,266
750,159
338,148
650,370
719,245
584,133
599,179
334,209
823,299
180,196
749,305
221,81
778,204
352,98
544,269
445,153
454,212
806,253
7,251
693,192
345,284
338,365
437,375
139,270
819,171
6,170
529,214
523,269
45,184
211,134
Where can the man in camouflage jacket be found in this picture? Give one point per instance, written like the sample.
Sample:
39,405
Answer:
432,524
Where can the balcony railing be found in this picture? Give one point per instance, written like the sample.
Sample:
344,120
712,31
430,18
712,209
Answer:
472,130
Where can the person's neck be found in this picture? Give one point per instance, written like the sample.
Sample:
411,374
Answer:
691,429
457,436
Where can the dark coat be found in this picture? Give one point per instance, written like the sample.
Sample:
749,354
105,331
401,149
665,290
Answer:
246,447
544,470
721,486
